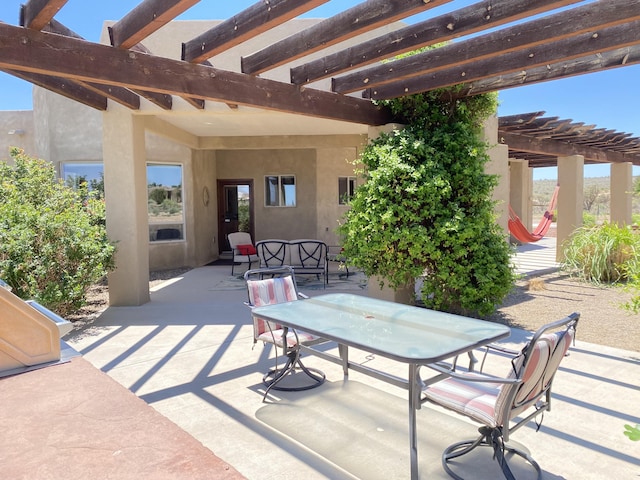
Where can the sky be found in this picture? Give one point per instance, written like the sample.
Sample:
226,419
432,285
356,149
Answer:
609,99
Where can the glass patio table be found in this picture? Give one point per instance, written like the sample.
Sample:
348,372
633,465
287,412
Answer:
407,334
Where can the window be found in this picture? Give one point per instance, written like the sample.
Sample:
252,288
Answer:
164,200
75,173
346,188
280,191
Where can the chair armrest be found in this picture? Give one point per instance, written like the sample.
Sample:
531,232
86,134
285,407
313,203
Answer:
476,377
500,348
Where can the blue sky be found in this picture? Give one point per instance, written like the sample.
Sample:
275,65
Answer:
608,99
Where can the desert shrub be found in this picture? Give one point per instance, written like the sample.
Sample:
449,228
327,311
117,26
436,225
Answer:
157,194
426,206
602,254
588,219
53,241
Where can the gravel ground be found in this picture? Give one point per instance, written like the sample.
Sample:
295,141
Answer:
531,304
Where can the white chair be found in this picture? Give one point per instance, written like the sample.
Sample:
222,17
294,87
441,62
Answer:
243,249
280,287
495,402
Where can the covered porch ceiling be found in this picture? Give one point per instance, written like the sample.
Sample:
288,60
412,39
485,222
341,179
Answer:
491,45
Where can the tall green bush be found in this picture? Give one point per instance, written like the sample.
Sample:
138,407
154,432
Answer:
53,241
426,206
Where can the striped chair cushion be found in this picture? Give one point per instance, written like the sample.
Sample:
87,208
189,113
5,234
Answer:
537,374
487,402
269,292
476,400
275,336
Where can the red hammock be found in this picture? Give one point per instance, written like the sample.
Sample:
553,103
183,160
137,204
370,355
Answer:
520,232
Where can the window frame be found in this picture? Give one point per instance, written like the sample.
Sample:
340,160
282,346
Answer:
62,175
280,193
181,225
344,199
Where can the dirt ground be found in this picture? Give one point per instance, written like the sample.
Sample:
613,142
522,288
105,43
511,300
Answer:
531,304
543,299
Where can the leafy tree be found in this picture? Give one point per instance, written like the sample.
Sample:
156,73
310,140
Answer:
53,241
158,194
426,207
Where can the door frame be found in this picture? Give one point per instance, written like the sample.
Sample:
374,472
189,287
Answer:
221,183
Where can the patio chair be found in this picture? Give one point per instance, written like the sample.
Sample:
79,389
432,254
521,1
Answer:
495,402
243,249
280,287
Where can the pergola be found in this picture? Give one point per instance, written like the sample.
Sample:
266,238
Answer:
487,46
582,38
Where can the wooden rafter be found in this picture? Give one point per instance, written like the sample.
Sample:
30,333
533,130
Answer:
30,51
541,32
145,19
37,13
519,120
591,63
249,23
546,146
362,18
578,46
72,90
467,20
118,94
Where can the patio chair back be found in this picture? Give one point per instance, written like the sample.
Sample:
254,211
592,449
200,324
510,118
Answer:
273,253
243,249
281,287
535,367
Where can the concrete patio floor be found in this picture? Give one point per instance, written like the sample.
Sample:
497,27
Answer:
189,354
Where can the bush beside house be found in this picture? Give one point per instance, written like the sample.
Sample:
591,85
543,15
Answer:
53,240
426,206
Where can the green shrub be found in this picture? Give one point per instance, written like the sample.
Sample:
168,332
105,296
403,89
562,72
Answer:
601,254
53,241
426,207
588,219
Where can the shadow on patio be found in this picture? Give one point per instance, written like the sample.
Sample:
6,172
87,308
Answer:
188,353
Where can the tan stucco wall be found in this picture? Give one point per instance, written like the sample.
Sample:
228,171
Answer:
498,165
276,222
66,130
332,164
16,130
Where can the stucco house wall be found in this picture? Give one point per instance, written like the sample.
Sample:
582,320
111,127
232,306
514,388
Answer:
16,130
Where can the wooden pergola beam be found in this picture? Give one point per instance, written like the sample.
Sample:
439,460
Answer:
362,18
544,32
118,94
36,14
546,146
66,88
582,45
145,19
249,23
31,51
592,63
471,19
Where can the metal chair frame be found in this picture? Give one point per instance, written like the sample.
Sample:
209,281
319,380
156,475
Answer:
498,437
293,362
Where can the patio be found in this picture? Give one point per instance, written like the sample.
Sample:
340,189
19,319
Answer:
188,353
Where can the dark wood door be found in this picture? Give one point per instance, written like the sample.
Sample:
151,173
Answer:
235,210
